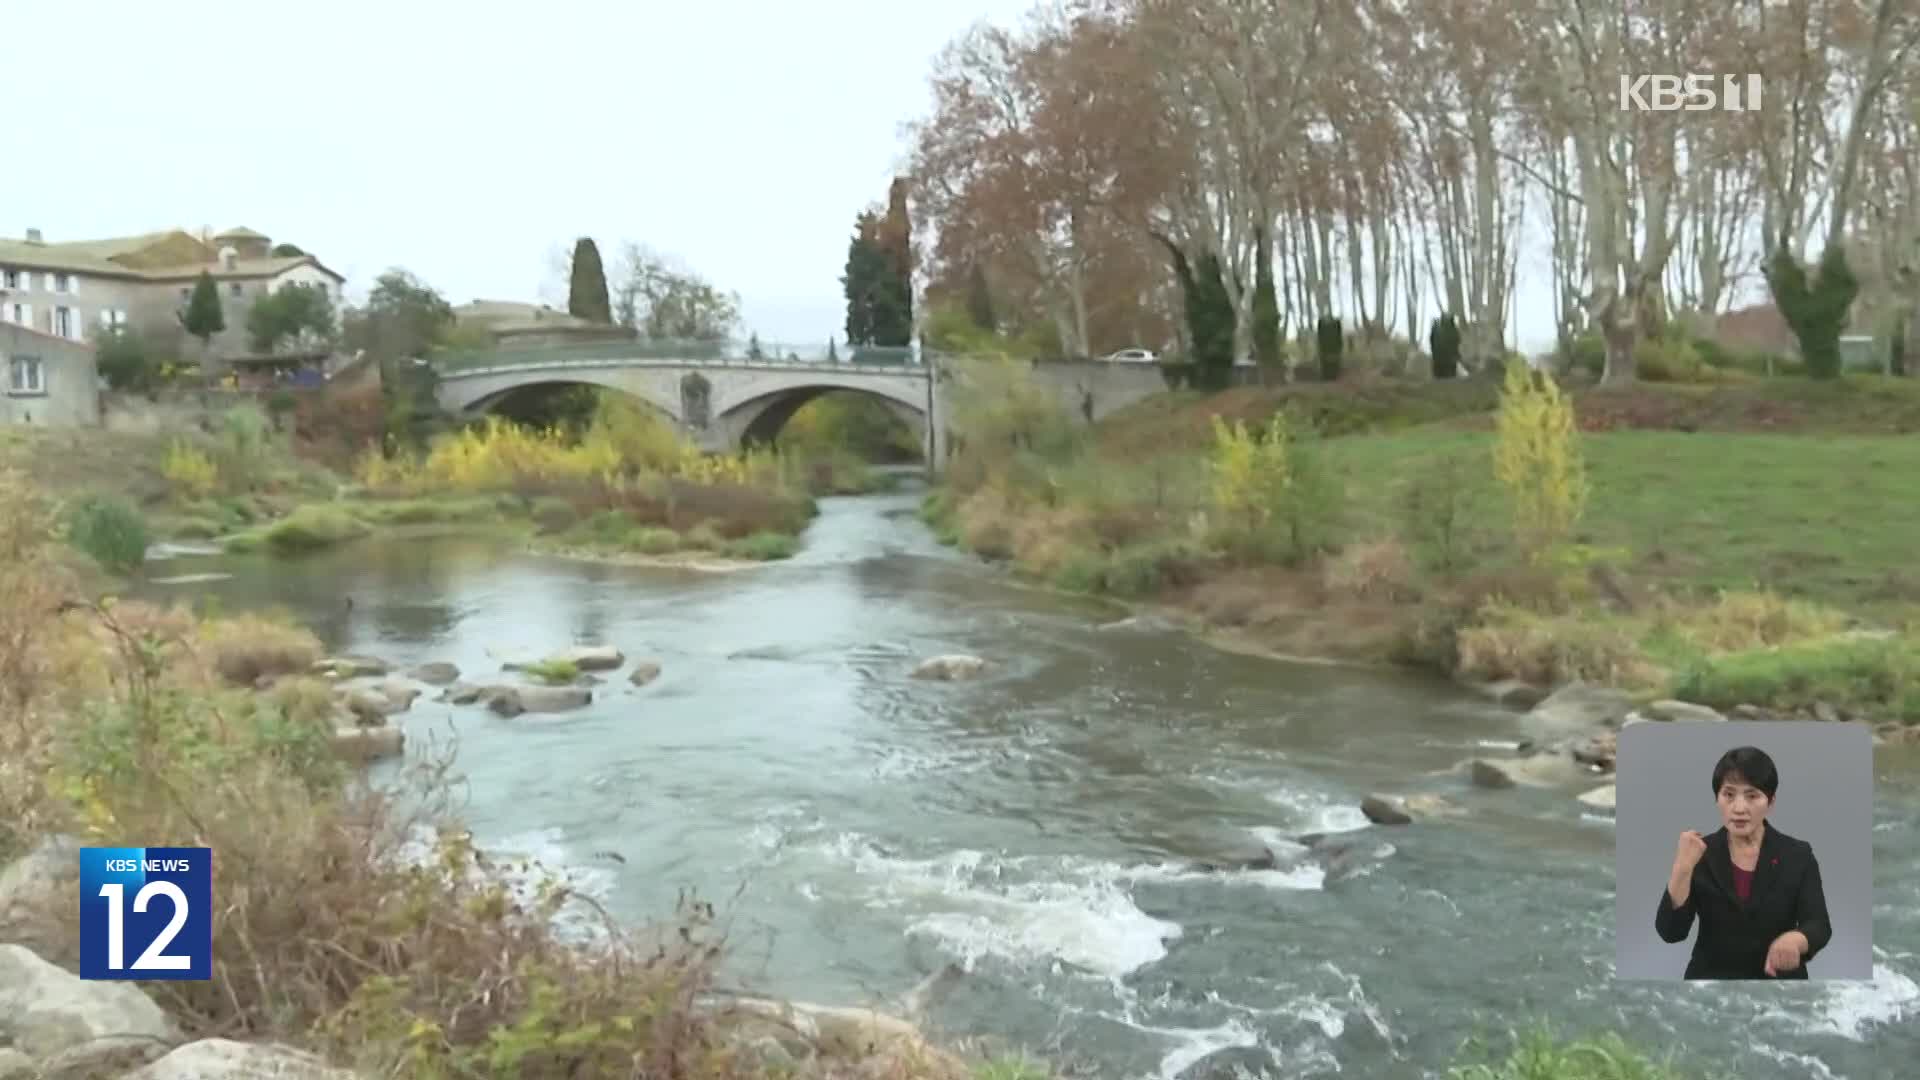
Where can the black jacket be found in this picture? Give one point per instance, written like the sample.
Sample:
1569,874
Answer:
1734,937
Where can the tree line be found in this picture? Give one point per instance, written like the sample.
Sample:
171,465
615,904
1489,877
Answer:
1232,174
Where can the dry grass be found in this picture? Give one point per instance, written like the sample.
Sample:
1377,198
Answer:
246,648
1372,570
1737,621
1507,642
358,922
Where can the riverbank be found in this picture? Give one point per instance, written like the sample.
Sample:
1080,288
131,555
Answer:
1708,565
887,824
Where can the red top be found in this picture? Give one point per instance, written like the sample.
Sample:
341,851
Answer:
1742,883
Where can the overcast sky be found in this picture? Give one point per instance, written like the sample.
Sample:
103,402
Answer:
464,142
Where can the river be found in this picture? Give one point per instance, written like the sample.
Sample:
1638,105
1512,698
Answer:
859,829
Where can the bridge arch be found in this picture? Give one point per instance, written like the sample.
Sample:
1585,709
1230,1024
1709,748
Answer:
747,417
760,421
476,395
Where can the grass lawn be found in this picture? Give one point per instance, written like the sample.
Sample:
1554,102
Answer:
1828,518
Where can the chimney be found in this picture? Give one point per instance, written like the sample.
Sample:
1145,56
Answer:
33,237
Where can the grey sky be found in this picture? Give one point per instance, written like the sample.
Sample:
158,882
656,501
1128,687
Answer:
465,142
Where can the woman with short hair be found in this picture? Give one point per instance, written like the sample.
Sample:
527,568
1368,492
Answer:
1755,890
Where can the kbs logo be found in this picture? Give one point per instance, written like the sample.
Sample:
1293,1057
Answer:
153,905
1691,93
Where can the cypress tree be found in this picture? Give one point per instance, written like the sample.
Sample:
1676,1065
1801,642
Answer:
1210,317
1443,342
204,317
1266,305
1331,341
587,287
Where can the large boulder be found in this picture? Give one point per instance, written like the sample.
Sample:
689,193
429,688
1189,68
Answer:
1680,712
1382,810
1600,798
368,707
950,668
461,693
592,657
435,673
1597,750
36,900
351,667
1488,775
224,1059
46,1010
363,744
1513,693
514,700
644,672
583,657
1576,709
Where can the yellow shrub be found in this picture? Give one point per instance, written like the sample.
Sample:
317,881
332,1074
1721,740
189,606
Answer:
1250,474
1537,459
189,471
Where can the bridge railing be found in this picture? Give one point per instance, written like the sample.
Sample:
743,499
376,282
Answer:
722,353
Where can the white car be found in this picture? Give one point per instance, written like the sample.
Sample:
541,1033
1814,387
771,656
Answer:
1131,356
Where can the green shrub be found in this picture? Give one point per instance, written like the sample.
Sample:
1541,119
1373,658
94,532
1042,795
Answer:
553,671
704,538
553,514
109,529
762,546
311,528
1880,677
1538,1055
1668,361
656,541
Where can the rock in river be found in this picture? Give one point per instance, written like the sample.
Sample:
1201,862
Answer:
950,667
514,700
1488,775
435,673
1681,712
1384,811
351,667
644,672
46,1010
1576,709
362,744
224,1059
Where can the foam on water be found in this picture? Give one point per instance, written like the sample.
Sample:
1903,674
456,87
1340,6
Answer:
1851,1009
1192,1045
1318,812
1075,912
525,863
1815,1068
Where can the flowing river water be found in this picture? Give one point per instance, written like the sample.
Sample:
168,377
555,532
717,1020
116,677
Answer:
1039,826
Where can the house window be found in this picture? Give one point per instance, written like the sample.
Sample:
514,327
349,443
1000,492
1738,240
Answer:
11,279
186,293
236,288
25,375
63,322
62,283
20,314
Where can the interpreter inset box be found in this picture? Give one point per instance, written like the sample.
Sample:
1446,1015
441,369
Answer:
1744,850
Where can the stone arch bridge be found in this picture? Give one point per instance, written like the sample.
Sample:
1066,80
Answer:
723,402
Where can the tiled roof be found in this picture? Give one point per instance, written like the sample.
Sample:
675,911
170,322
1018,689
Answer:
133,256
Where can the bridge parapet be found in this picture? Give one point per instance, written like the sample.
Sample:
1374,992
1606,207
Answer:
677,353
